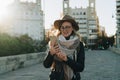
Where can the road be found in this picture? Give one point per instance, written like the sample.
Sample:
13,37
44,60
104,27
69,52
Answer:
99,65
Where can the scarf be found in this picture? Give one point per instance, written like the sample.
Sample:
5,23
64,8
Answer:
69,48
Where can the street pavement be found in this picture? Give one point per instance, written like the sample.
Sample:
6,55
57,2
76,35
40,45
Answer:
99,65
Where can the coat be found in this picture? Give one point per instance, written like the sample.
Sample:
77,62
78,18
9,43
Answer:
76,66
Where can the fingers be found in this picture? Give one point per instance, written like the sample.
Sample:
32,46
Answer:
53,43
62,56
54,49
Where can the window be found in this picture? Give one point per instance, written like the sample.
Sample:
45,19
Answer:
92,5
80,13
94,30
92,40
84,13
77,13
65,6
117,6
73,13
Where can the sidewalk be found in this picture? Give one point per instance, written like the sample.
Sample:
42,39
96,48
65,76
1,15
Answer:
115,50
99,65
35,72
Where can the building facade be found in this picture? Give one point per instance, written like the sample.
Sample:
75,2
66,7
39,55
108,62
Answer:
118,23
26,18
102,32
87,20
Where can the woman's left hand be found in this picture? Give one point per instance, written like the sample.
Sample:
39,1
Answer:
62,56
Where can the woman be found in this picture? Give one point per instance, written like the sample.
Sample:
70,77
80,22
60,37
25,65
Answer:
66,53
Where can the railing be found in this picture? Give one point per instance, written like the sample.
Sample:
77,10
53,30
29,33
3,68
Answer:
11,63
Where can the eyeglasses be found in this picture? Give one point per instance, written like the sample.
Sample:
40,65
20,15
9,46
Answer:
65,27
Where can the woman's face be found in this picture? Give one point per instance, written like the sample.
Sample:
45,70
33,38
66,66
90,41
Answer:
66,29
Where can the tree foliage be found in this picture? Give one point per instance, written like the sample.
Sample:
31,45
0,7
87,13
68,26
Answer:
23,44
105,42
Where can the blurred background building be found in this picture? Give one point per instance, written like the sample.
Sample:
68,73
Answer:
118,23
87,20
25,18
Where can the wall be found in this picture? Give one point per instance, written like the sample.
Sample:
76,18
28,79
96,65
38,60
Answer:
11,63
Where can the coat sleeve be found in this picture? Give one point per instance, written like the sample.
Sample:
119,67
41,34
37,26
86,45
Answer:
48,60
77,66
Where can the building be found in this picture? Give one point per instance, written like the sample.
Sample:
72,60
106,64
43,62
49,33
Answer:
25,18
87,20
102,32
118,23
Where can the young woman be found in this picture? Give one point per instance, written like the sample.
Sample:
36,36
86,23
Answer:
66,52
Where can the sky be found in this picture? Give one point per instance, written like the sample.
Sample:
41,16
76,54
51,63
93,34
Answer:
53,8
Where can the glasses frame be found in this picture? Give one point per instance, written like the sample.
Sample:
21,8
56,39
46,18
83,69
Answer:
65,27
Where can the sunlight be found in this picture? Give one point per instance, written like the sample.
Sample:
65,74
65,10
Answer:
4,14
3,11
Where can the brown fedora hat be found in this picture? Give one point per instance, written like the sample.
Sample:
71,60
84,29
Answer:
58,23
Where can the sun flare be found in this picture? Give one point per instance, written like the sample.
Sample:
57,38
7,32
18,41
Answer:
3,12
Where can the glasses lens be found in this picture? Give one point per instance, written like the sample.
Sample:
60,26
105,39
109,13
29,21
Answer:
65,27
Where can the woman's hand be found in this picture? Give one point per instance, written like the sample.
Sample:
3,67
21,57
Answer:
62,56
54,48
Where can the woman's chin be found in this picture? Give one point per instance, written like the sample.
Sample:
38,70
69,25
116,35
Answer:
65,35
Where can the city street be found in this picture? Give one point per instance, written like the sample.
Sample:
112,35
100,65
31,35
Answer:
29,28
99,65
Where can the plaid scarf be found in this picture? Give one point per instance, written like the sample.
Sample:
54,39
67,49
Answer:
69,48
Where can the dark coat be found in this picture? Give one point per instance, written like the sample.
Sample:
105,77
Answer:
77,66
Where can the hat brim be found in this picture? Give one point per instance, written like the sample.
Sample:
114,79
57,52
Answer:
58,23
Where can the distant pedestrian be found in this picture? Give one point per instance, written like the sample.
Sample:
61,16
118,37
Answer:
66,52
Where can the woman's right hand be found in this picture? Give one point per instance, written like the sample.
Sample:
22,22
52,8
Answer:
54,48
